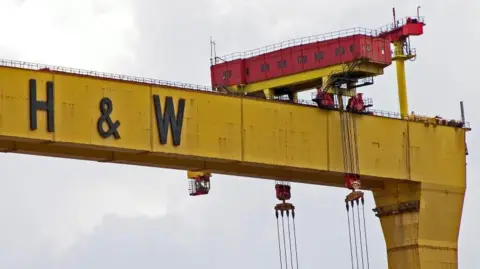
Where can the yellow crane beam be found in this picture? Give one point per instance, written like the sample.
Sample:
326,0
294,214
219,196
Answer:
416,170
309,79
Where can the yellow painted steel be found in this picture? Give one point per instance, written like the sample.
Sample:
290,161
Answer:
193,174
399,160
370,69
400,59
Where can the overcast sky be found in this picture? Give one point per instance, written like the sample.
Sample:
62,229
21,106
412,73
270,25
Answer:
57,213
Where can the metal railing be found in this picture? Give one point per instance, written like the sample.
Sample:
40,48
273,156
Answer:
398,23
315,38
194,87
296,42
420,118
82,72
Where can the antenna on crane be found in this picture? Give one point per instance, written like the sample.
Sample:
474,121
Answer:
213,52
394,19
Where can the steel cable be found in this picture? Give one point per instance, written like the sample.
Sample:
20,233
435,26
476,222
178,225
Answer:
357,170
365,226
295,237
279,243
350,237
355,235
360,232
290,239
284,243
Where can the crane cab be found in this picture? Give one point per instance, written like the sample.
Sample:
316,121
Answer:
198,183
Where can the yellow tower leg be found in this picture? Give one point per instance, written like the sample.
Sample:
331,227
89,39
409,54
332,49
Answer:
402,85
421,223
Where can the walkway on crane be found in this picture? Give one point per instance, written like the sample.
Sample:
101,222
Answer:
378,32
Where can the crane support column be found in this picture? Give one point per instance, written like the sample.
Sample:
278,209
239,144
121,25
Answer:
420,223
400,58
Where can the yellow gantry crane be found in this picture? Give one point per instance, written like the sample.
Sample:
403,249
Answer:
415,167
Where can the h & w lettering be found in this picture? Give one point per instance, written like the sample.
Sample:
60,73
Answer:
36,105
168,118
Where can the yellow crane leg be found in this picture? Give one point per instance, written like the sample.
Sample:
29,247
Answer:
402,85
421,223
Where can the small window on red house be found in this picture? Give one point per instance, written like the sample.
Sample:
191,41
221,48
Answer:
339,51
302,59
282,64
352,47
227,74
265,67
319,56
366,47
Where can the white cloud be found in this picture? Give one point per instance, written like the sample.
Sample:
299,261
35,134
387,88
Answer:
90,34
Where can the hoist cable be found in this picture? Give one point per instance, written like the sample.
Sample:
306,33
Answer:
344,140
284,243
290,240
349,142
360,231
353,144
350,237
365,226
279,244
295,238
355,235
357,166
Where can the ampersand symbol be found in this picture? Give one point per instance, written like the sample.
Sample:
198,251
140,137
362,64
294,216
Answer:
106,108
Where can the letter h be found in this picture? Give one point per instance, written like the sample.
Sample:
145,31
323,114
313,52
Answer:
41,105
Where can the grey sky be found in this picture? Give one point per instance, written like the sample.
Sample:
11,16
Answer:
57,213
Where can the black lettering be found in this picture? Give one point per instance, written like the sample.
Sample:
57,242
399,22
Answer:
168,118
106,108
36,105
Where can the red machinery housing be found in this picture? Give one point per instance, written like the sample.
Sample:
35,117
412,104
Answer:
324,99
282,192
356,104
352,181
409,26
300,58
199,185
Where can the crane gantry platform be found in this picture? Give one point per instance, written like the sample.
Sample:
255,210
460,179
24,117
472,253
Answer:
415,166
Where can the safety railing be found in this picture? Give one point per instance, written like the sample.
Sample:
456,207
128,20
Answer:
82,72
316,38
386,114
284,98
296,42
408,52
194,87
397,24
420,118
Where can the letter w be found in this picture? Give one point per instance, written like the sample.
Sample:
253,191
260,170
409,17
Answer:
168,118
